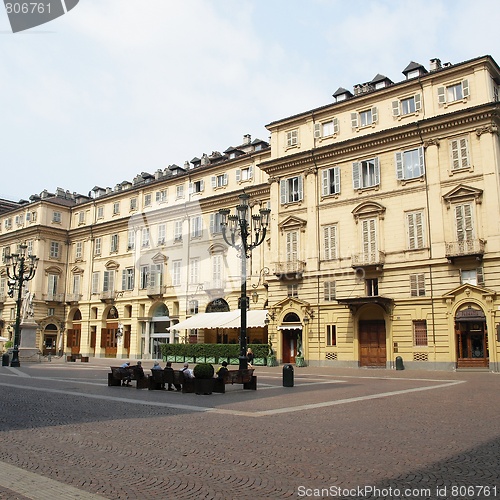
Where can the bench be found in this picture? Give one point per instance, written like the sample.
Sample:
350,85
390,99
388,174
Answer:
118,375
160,378
245,377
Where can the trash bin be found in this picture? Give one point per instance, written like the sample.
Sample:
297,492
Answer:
5,359
399,363
287,376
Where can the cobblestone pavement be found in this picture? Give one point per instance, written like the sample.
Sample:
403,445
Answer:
336,433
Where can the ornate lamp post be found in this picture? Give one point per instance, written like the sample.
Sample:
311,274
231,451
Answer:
23,269
242,226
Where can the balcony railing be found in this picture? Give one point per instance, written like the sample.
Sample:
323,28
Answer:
368,259
108,295
465,248
209,286
54,297
288,270
156,290
73,298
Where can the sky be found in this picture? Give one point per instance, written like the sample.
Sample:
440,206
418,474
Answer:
119,87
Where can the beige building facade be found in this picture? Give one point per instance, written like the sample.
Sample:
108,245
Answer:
384,239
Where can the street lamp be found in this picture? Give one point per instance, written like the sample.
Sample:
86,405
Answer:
242,226
23,269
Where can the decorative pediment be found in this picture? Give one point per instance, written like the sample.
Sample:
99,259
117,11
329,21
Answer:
53,270
463,193
368,209
77,270
112,265
467,290
291,223
159,258
291,304
217,248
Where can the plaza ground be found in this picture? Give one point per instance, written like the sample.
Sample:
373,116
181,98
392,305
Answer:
349,433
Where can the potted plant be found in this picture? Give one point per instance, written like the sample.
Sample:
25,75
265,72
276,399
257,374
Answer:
203,378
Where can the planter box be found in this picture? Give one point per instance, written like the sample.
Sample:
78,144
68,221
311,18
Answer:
259,361
204,385
179,359
210,359
234,361
189,359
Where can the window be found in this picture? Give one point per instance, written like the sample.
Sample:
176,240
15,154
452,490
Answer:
196,226
331,335
244,174
330,242
130,239
292,290
100,212
472,276
128,278
116,208
371,287
194,271
178,230
369,240
417,285
78,250
464,223
326,129
29,245
420,332
98,246
52,281
95,282
217,271
162,234
114,243
56,217
81,218
8,223
453,93
161,196
76,284
292,246
329,290
133,204
5,254
19,220
459,149
179,191
196,187
193,307
366,173
156,275
364,118
219,180
108,283
176,272
291,190
143,276
292,138
406,106
147,200
415,224
31,216
330,181
215,227
410,163
145,237
54,250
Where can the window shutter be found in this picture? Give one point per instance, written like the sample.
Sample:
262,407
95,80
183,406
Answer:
335,125
468,221
413,285
395,108
250,172
212,223
326,238
283,191
301,188
225,179
354,120
356,175
455,162
465,88
374,115
317,130
421,160
418,102
238,175
411,231
399,165
104,335
214,181
460,222
441,96
324,183
202,185
336,180
420,229
190,188
124,279
480,276
464,154
377,171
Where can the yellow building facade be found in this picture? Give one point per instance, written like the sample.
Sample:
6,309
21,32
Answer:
384,239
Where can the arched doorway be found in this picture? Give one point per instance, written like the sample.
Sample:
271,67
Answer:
217,305
291,328
73,339
471,338
109,339
50,339
160,321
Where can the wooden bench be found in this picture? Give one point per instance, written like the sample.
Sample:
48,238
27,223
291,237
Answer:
245,377
161,378
118,375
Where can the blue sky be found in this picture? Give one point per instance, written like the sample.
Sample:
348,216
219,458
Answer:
118,87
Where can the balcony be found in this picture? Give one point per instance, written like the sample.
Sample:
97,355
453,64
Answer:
3,298
73,298
371,260
465,248
214,288
289,270
108,296
57,298
155,291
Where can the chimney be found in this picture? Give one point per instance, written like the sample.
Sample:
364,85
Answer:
435,64
247,139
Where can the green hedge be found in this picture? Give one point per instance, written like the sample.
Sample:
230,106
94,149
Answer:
173,352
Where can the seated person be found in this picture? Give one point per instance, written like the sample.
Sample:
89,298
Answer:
126,375
222,370
188,373
156,367
138,370
168,368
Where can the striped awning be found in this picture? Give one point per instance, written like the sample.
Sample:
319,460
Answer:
230,319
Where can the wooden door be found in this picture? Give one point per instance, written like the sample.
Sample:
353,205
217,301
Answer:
289,345
372,343
73,339
472,345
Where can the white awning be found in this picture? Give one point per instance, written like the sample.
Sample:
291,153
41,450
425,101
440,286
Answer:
230,319
290,326
4,339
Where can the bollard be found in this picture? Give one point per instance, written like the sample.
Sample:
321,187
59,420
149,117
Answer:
287,376
5,359
399,363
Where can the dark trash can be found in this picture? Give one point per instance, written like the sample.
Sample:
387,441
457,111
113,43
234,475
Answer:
399,363
287,376
5,359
